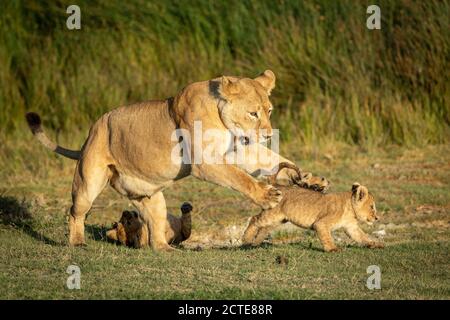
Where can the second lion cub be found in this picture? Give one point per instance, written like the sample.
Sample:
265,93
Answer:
321,212
132,231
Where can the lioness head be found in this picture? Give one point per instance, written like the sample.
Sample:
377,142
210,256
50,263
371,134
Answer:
364,204
307,180
246,107
127,227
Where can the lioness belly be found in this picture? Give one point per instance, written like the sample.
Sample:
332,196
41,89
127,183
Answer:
134,187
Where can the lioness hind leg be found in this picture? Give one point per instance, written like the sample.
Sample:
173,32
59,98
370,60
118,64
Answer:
86,186
154,212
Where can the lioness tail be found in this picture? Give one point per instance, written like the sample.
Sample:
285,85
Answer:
35,124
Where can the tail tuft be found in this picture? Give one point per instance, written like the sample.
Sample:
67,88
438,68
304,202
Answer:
186,208
34,122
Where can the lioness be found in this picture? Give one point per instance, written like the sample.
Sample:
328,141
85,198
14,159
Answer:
131,149
321,212
133,232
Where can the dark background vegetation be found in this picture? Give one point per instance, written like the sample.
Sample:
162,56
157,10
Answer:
337,80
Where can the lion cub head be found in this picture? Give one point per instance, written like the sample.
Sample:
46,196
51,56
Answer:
127,229
363,204
245,108
308,181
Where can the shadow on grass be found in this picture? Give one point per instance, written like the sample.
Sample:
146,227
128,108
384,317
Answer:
97,233
302,245
17,215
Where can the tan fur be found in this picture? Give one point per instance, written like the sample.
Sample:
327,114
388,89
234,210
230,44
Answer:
321,212
131,147
315,183
131,230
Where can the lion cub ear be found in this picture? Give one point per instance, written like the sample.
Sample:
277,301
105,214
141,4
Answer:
359,192
355,187
267,80
229,88
306,176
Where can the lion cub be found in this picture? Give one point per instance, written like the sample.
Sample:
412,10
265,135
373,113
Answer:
132,231
321,212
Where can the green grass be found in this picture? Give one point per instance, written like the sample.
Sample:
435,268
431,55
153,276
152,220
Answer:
409,271
337,80
411,187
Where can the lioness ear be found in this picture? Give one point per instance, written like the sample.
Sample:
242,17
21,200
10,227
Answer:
228,88
267,80
112,234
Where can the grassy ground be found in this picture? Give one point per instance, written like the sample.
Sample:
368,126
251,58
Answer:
412,188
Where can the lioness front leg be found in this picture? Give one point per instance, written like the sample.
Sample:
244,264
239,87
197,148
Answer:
227,175
154,213
361,237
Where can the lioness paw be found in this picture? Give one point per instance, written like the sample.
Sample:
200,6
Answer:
334,249
272,196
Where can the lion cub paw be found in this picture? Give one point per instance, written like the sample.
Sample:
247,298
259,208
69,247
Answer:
334,249
375,245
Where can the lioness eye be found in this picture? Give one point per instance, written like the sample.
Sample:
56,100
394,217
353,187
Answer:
254,114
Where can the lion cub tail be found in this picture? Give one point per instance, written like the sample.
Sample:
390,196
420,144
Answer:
186,221
35,124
